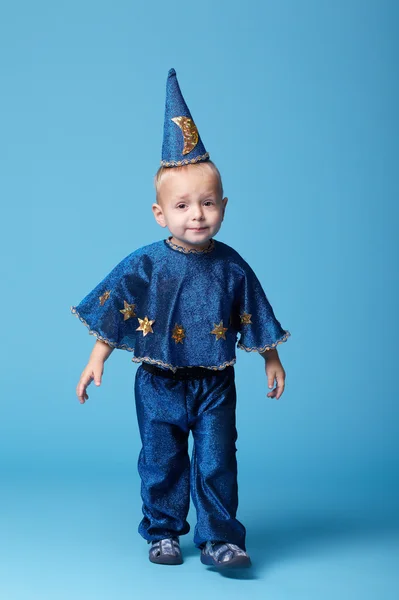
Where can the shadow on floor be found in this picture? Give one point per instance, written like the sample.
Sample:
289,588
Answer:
271,541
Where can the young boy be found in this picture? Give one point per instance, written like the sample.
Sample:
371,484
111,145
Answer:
179,304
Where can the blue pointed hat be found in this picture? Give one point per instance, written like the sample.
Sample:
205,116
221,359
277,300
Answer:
182,144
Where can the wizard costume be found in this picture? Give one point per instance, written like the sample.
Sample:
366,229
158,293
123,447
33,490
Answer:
180,312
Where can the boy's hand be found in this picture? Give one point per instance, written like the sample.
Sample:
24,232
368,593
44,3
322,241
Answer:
93,371
275,372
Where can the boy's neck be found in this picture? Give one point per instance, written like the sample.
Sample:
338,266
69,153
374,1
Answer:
189,246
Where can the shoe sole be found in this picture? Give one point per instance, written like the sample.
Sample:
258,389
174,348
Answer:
240,562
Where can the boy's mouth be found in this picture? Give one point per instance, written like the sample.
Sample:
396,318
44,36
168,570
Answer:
197,228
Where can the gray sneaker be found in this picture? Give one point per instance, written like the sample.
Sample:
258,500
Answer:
166,552
224,554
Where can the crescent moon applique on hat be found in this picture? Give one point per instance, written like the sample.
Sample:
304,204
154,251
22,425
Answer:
182,144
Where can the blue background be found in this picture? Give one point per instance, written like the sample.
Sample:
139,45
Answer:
297,103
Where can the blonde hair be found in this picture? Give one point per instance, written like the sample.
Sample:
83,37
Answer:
162,170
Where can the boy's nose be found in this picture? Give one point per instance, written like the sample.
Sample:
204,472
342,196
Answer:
198,213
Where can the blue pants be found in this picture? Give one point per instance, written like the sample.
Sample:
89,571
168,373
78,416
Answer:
167,410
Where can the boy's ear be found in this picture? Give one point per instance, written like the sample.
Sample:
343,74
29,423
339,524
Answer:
224,203
158,214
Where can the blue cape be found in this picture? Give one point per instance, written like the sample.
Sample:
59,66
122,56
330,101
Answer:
177,308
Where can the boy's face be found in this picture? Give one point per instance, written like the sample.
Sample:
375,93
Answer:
190,205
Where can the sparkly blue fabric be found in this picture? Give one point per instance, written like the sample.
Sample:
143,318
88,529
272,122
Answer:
173,143
197,290
167,411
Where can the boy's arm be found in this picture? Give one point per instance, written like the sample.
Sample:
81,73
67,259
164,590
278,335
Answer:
274,372
101,351
108,309
271,354
93,370
259,328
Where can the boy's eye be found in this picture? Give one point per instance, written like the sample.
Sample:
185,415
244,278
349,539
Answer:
207,202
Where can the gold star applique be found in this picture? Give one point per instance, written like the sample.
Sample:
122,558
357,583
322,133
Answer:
145,325
128,311
178,333
104,297
246,318
219,330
